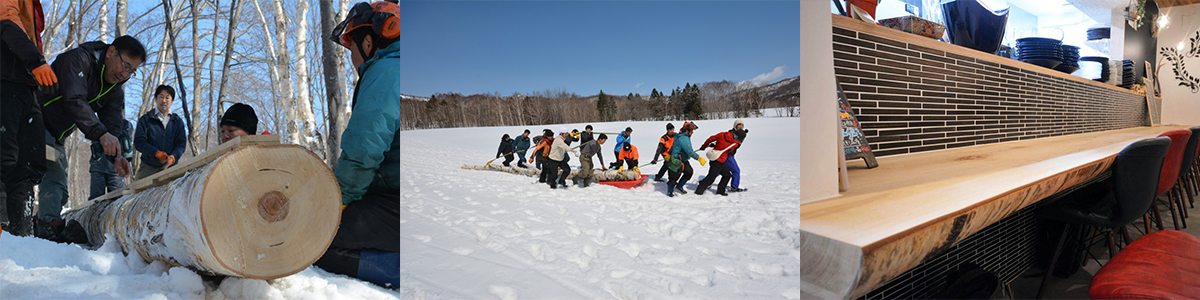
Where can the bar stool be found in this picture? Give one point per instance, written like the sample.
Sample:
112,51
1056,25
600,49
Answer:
1115,203
1160,265
1188,173
1170,174
1189,158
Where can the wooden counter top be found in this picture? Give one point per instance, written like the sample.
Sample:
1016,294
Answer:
912,206
889,33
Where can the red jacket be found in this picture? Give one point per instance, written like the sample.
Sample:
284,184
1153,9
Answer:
722,140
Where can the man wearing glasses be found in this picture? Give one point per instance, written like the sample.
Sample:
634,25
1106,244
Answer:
90,97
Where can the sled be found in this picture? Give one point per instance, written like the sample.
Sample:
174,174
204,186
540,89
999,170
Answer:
626,184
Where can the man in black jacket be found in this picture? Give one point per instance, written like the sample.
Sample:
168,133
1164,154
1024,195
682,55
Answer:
22,152
506,146
586,135
90,97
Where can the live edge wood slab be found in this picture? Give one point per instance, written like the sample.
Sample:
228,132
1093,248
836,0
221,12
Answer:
912,207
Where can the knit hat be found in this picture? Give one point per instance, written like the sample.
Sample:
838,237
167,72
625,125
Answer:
241,116
736,122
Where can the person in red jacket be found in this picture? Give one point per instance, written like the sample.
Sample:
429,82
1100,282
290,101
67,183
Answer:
723,142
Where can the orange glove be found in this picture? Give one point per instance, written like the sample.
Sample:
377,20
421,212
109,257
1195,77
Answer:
170,162
45,76
162,156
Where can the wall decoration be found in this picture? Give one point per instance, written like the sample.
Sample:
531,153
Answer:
1177,56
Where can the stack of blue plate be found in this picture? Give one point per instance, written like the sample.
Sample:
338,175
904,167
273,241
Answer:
1070,59
1040,51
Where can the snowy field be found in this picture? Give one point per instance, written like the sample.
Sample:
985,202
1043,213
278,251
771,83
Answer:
469,234
32,268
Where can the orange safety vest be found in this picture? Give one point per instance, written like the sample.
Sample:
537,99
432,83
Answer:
667,141
28,15
631,154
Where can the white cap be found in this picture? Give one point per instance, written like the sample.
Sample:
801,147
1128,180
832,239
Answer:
562,130
738,121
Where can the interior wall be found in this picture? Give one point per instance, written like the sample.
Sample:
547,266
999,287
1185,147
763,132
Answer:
1181,104
819,139
1140,45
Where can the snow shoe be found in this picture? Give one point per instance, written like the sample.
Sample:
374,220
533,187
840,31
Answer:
658,179
379,267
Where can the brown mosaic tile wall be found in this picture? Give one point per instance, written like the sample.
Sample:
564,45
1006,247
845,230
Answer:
911,98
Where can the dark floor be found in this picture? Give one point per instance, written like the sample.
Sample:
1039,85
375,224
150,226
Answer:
1076,287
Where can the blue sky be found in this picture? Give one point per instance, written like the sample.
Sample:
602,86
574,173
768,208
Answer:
474,47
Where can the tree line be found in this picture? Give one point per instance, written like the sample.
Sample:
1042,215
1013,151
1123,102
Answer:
711,100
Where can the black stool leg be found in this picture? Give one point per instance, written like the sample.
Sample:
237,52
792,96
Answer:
1157,215
1053,261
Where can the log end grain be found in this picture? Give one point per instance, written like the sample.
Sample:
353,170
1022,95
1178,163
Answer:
270,211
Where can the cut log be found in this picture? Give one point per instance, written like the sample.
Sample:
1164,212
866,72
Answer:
599,175
263,211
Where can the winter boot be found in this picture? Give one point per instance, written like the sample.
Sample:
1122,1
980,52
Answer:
20,214
670,192
736,190
49,230
658,179
680,190
380,267
699,192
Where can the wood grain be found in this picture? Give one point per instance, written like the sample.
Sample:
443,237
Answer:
885,32
913,206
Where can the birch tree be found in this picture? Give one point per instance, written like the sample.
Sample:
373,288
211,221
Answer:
306,135
337,107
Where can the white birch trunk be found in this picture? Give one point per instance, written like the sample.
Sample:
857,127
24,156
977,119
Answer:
260,212
284,99
122,17
333,62
283,63
104,21
197,89
306,135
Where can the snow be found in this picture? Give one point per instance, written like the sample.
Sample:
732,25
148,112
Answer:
33,268
468,234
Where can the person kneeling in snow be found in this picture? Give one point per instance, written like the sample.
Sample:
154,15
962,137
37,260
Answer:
367,243
629,155
586,151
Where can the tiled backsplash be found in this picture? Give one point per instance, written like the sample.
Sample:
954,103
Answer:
911,98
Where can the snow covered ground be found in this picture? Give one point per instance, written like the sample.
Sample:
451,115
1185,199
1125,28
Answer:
32,268
489,235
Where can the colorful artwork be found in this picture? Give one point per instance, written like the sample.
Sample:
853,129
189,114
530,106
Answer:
854,144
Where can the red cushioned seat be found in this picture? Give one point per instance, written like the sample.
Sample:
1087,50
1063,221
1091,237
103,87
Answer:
1161,265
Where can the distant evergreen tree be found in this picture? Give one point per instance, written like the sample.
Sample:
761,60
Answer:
602,106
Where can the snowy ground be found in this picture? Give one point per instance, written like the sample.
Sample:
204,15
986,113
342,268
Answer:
32,268
490,235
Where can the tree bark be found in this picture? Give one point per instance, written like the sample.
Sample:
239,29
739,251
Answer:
336,104
258,211
197,89
306,133
233,18
600,175
122,17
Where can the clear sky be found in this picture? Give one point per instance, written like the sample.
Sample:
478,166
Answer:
474,47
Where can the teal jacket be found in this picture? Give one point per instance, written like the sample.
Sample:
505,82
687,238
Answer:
370,160
683,145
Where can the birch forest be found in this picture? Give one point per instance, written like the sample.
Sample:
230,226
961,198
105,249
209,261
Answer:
273,55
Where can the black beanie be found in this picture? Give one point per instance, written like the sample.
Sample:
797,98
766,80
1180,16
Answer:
241,116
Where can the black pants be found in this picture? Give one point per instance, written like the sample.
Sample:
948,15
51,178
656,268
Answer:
508,159
564,170
547,168
370,223
676,179
662,170
22,155
631,163
715,168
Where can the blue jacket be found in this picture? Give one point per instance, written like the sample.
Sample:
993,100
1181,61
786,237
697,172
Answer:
621,141
521,143
683,145
150,137
370,160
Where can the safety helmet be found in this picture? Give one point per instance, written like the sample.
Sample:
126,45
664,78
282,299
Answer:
688,125
382,16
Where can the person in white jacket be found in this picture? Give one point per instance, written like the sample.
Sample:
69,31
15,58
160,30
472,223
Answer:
558,153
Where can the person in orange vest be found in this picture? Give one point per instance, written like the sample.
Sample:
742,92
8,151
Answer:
629,154
664,145
541,152
22,141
